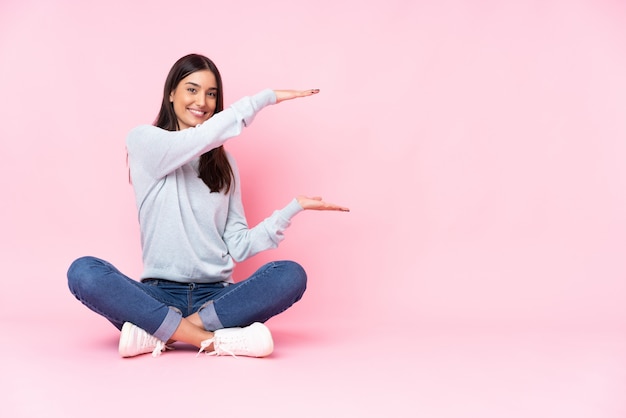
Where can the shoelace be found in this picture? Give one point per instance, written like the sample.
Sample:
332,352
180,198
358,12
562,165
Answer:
219,351
160,347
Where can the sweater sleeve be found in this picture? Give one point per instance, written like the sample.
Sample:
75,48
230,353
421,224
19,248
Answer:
244,242
159,152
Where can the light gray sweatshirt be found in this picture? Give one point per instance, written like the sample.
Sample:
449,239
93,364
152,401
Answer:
189,234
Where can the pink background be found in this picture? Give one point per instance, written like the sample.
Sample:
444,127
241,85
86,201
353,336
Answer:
479,144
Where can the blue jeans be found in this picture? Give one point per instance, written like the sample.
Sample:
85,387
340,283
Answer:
158,306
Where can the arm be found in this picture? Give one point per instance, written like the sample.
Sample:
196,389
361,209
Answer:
244,243
160,152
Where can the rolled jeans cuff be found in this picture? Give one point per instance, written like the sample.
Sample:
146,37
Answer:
168,326
209,317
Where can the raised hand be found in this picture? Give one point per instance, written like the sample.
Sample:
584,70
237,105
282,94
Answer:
316,203
282,95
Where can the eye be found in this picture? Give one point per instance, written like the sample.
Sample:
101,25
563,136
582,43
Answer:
191,90
212,94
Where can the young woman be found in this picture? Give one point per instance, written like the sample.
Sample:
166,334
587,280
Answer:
193,230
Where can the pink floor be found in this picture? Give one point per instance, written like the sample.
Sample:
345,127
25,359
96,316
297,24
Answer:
317,370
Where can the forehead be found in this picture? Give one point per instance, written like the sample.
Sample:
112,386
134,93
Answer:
204,78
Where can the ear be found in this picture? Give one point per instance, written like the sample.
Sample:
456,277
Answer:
172,96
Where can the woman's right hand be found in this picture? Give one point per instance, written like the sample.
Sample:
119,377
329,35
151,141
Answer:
282,95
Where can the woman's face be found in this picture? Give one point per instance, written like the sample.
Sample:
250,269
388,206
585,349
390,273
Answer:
194,98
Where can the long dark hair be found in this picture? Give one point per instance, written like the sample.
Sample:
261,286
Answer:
214,169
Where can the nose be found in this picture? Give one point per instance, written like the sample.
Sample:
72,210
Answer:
201,100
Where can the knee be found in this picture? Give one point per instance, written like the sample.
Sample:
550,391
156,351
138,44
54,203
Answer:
80,273
296,276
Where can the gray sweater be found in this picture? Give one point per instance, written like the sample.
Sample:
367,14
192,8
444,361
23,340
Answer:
187,233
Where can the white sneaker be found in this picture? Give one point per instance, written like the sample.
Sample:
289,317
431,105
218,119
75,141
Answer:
253,341
135,341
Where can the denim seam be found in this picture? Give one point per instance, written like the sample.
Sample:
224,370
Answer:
259,274
246,282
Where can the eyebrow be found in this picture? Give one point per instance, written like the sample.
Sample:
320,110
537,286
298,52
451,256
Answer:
198,85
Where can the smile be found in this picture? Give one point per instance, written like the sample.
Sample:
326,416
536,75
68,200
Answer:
197,113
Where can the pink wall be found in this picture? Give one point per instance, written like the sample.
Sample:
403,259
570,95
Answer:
480,146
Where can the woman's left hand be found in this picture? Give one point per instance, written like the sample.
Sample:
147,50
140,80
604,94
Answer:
316,203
